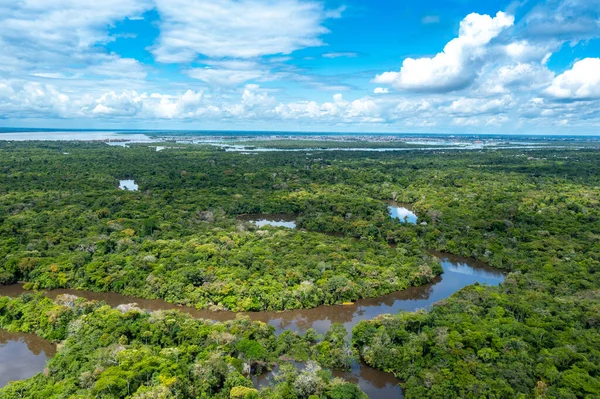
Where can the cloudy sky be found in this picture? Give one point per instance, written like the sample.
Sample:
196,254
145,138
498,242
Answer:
311,65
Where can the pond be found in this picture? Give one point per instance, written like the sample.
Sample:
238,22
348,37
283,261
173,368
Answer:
22,356
275,220
129,185
402,212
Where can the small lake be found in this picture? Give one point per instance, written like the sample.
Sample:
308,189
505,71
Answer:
22,356
402,212
129,185
275,220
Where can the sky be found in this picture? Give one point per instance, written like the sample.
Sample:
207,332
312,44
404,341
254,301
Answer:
447,66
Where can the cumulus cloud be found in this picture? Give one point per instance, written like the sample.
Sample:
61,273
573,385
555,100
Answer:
582,82
362,110
524,51
514,77
125,103
33,99
253,97
237,28
494,75
457,65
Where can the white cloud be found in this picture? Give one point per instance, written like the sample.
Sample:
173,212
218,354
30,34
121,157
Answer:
225,77
253,97
406,107
381,90
582,82
237,28
563,20
116,67
126,103
497,120
362,110
346,54
34,99
524,51
466,122
58,47
477,106
54,64
50,33
189,105
457,66
5,90
514,77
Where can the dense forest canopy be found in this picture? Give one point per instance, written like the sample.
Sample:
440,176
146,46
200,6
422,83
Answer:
64,223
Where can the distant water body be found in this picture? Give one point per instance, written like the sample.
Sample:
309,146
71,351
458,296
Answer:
72,136
145,135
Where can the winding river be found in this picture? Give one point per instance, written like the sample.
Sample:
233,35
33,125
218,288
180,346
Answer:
458,273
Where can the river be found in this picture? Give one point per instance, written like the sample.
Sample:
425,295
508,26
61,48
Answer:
458,273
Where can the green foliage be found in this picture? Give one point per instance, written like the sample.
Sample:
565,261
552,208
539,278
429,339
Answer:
63,223
180,239
106,353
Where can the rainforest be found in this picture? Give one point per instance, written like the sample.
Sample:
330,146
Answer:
186,235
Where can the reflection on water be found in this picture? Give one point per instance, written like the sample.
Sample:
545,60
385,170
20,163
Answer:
22,356
402,212
375,383
276,220
128,185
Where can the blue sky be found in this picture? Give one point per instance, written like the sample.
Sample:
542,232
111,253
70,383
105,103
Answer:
453,66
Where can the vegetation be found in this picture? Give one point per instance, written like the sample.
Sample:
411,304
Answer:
323,144
129,353
536,214
538,334
179,239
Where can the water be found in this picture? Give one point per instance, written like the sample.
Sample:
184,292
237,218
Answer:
128,185
22,356
227,139
112,138
276,220
374,383
402,212
242,149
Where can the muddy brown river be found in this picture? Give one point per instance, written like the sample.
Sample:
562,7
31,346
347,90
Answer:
31,352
